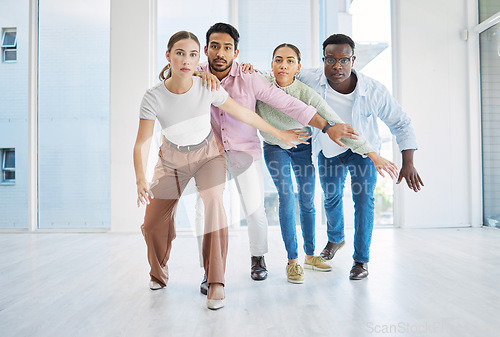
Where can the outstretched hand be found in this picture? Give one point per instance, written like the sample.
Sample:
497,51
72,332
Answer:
410,174
293,137
340,130
382,164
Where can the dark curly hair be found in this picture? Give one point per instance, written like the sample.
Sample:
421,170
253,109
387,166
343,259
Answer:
338,39
222,27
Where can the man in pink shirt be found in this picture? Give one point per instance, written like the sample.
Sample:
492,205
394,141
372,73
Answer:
240,141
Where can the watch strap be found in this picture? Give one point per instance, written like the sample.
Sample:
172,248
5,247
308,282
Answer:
327,126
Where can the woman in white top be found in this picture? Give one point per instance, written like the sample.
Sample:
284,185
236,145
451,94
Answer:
182,106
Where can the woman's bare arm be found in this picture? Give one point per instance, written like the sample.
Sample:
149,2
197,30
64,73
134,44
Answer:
141,152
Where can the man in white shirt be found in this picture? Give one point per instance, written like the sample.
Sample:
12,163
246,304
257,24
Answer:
359,101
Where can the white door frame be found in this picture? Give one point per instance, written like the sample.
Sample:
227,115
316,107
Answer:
471,34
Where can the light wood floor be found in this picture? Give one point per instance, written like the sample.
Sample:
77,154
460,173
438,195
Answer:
423,282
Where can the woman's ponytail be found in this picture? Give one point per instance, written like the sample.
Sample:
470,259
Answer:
162,73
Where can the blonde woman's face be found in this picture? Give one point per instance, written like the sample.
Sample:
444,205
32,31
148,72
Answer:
285,66
184,57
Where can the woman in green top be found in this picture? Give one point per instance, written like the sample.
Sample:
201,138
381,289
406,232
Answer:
280,158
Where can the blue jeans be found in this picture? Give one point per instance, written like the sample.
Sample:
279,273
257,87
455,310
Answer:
278,163
332,175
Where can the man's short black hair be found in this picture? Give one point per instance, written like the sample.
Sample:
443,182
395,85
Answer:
221,27
338,39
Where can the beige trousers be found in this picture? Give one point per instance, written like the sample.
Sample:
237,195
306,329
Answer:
175,168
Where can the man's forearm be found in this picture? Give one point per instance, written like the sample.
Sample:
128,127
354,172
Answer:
408,156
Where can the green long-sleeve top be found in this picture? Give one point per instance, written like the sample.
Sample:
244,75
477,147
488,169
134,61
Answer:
284,122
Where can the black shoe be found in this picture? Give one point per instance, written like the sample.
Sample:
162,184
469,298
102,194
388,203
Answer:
330,249
359,271
259,270
204,285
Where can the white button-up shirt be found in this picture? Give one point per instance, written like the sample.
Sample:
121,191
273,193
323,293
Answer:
372,100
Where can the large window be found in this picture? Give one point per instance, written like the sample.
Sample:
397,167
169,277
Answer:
73,90
371,30
173,17
489,40
263,25
490,114
73,114
14,23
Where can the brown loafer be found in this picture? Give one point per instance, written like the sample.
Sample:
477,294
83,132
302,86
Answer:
359,271
204,285
258,271
330,249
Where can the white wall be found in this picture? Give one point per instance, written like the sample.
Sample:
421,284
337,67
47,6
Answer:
432,85
132,63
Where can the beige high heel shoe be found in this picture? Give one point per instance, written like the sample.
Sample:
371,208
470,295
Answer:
216,304
155,285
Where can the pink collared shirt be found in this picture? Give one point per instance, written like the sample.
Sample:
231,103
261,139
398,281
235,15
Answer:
246,89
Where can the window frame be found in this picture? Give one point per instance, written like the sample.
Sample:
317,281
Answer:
4,35
5,168
4,56
9,47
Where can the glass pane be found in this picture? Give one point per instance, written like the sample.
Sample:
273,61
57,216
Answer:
10,175
490,113
10,159
173,17
487,8
9,39
371,26
73,120
10,55
262,29
14,119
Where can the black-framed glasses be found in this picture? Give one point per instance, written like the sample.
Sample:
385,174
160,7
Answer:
332,61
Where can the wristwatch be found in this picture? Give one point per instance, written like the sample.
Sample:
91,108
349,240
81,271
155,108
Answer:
327,126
